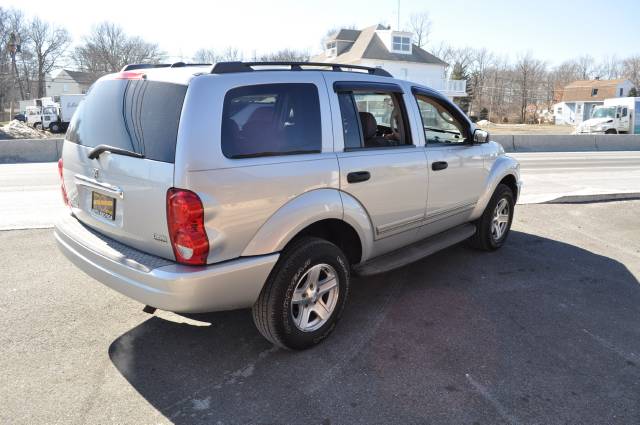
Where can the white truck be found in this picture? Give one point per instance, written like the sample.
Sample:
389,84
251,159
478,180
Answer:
55,113
617,116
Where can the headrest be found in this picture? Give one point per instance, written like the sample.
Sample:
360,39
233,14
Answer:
369,125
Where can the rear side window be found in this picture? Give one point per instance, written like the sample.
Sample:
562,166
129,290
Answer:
138,115
271,119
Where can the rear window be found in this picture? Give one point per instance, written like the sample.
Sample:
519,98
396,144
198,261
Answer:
138,115
271,119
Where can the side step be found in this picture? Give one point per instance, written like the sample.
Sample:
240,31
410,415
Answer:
416,251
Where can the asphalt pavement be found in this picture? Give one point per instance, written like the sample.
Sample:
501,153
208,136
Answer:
544,330
30,193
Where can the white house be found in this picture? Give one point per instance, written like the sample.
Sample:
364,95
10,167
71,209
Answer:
65,81
380,46
581,97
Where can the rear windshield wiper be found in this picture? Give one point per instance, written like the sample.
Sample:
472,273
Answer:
95,152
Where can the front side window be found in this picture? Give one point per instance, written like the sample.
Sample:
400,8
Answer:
624,112
440,127
373,120
401,44
270,120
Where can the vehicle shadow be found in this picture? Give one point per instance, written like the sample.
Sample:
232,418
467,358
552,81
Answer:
540,331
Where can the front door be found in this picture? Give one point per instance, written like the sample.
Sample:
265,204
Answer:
455,165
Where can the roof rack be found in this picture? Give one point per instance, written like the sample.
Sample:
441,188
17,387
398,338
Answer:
229,67
133,66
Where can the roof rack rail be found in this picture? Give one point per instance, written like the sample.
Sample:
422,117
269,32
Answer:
133,66
228,67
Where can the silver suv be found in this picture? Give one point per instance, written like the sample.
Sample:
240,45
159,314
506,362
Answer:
207,188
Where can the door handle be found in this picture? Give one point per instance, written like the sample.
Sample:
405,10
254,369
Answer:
358,176
439,165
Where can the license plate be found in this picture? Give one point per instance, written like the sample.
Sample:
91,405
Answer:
104,206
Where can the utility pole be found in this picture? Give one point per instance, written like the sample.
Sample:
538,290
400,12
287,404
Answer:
398,27
13,47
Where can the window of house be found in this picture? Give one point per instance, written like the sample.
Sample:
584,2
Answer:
332,49
65,87
271,119
402,44
440,127
594,92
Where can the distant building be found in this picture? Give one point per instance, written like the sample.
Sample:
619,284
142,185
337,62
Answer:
580,97
382,47
65,81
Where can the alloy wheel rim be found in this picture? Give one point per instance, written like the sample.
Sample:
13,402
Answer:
500,219
315,297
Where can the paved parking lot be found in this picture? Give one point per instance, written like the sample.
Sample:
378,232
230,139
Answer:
544,331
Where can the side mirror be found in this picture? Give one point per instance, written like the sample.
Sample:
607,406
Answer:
618,115
480,136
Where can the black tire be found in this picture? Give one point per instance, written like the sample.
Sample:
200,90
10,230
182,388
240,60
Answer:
38,126
483,238
273,311
611,131
54,127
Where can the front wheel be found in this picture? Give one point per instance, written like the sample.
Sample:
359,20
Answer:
304,295
54,127
493,227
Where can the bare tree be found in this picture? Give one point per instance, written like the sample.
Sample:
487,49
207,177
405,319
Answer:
631,70
230,54
528,73
586,67
205,56
107,49
49,44
609,68
286,55
420,25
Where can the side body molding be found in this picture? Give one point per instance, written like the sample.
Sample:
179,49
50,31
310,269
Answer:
501,166
304,210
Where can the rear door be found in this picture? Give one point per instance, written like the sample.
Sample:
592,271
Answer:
380,164
124,196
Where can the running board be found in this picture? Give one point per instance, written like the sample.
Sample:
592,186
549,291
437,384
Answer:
416,251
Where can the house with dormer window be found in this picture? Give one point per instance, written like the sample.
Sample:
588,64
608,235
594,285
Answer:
394,51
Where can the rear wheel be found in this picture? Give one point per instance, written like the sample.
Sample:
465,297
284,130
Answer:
38,126
54,127
611,131
304,296
493,227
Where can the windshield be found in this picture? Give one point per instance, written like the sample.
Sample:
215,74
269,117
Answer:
603,113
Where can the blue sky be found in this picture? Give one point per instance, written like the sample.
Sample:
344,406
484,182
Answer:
552,30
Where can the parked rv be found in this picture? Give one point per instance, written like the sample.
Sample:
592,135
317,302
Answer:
615,116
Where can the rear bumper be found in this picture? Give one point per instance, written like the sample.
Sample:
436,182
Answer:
161,283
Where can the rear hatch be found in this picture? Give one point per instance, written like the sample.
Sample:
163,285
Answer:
122,191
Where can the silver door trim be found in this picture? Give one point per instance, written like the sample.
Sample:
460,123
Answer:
94,184
439,215
399,224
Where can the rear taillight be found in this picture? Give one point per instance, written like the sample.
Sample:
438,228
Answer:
65,198
185,219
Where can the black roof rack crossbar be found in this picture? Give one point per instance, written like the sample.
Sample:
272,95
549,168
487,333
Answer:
133,66
228,67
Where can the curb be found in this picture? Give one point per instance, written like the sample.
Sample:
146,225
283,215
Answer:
587,199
